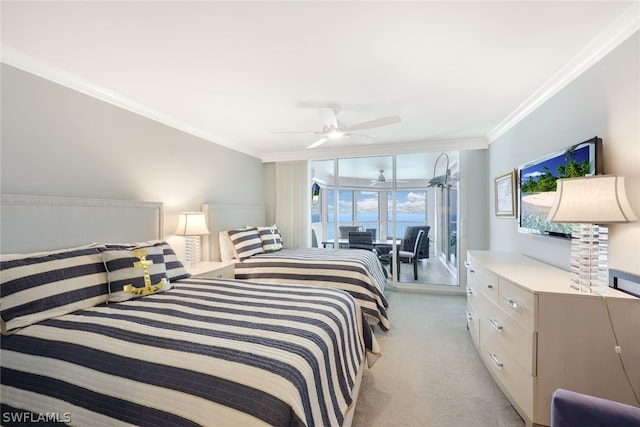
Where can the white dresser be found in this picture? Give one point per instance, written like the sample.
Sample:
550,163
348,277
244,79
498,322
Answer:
536,334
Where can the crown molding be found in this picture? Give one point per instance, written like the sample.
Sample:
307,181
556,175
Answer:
627,24
29,64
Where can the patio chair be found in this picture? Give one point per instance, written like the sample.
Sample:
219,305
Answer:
361,240
345,229
411,256
409,240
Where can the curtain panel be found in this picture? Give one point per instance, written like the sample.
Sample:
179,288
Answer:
293,202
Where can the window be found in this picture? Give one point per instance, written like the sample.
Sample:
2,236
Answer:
345,207
411,209
353,193
367,209
331,213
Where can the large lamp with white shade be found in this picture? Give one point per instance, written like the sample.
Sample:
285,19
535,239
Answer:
192,225
589,202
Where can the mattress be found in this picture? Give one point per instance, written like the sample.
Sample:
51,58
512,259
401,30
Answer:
208,352
358,272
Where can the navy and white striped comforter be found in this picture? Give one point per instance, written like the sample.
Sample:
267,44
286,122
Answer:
209,352
358,272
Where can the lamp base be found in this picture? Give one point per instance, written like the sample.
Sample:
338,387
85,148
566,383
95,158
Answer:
193,252
589,264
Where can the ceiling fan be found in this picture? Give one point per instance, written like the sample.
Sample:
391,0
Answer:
334,129
381,180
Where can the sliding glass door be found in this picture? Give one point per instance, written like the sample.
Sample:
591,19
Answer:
447,199
393,195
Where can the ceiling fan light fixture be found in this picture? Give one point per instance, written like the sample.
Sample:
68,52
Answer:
334,129
335,134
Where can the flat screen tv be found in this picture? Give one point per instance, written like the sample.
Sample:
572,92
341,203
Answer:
537,185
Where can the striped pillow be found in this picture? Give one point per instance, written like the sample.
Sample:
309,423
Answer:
175,268
271,238
40,286
246,242
126,272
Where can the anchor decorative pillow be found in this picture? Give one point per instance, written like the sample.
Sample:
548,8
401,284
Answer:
135,273
271,238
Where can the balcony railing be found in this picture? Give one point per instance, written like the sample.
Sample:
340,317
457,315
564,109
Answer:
328,228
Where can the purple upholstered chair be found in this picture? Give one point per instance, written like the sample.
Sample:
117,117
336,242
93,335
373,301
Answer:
571,409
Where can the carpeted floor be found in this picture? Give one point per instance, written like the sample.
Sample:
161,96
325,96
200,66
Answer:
430,374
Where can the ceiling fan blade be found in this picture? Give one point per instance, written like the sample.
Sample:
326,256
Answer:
328,116
306,132
318,142
384,121
361,138
358,135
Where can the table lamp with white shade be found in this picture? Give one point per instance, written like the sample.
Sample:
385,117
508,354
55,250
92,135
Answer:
589,202
192,225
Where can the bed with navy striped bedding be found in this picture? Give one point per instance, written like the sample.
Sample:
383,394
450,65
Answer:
208,352
358,272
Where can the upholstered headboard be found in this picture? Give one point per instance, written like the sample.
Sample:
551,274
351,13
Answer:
226,217
39,223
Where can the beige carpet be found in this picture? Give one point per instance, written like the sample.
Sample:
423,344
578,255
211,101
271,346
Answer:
430,374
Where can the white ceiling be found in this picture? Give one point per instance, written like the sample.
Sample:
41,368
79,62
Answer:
458,73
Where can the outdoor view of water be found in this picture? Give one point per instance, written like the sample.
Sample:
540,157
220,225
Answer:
371,221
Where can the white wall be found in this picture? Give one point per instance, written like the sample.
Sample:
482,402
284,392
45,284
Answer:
604,102
59,142
473,206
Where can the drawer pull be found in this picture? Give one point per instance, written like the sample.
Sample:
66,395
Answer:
495,360
497,326
490,286
512,303
469,291
469,317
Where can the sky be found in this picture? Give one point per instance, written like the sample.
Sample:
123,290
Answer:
408,202
538,169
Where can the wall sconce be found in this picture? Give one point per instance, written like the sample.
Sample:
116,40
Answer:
588,202
192,225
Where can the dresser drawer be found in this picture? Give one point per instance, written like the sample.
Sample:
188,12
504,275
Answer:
472,282
473,324
499,328
484,280
518,303
514,379
474,296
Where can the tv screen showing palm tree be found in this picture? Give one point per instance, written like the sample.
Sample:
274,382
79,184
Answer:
537,185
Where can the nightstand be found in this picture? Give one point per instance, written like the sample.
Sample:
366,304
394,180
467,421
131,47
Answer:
214,270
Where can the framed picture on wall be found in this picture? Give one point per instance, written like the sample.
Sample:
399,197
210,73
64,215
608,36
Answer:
505,195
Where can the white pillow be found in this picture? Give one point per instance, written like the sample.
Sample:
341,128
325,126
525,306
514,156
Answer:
227,251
